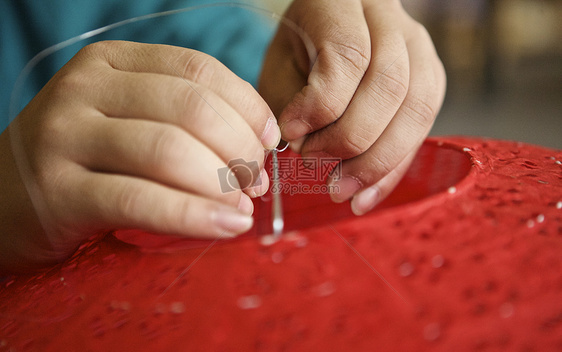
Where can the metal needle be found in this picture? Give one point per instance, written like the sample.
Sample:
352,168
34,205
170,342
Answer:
277,210
277,205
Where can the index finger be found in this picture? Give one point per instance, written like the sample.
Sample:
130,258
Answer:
340,35
377,97
196,67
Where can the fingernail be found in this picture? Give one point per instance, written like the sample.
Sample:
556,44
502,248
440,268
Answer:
296,145
231,221
344,189
264,183
366,200
245,205
260,187
271,134
294,129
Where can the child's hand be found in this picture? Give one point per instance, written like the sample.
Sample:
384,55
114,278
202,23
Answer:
131,135
370,97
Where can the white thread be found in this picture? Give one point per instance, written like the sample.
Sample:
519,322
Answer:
15,135
18,86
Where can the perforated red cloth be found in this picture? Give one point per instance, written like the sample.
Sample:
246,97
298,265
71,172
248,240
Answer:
466,255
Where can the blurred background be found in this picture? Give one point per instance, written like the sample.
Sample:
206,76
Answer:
504,66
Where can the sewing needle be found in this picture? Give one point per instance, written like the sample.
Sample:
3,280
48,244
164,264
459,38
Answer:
277,206
277,210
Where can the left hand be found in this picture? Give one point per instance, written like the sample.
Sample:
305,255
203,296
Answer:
369,97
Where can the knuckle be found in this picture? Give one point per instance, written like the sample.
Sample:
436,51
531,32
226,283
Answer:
100,46
193,99
199,67
66,81
420,110
252,103
394,83
354,55
328,108
91,49
165,147
385,162
349,60
192,102
100,50
179,216
253,152
127,203
331,108
421,31
231,198
354,143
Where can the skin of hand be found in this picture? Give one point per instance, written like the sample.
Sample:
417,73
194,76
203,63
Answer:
369,95
130,135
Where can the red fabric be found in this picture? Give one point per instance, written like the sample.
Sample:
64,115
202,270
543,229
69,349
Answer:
465,255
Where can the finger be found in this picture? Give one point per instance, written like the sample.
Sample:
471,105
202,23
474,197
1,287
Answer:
281,77
296,145
368,198
341,38
104,201
158,152
200,68
196,109
408,128
378,96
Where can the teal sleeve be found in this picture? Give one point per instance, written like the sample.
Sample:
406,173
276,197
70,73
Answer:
236,36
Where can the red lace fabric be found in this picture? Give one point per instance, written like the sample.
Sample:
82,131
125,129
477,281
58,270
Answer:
466,255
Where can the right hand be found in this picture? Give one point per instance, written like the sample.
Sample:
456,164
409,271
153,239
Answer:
130,135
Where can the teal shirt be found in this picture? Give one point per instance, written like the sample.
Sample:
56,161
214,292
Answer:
236,36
